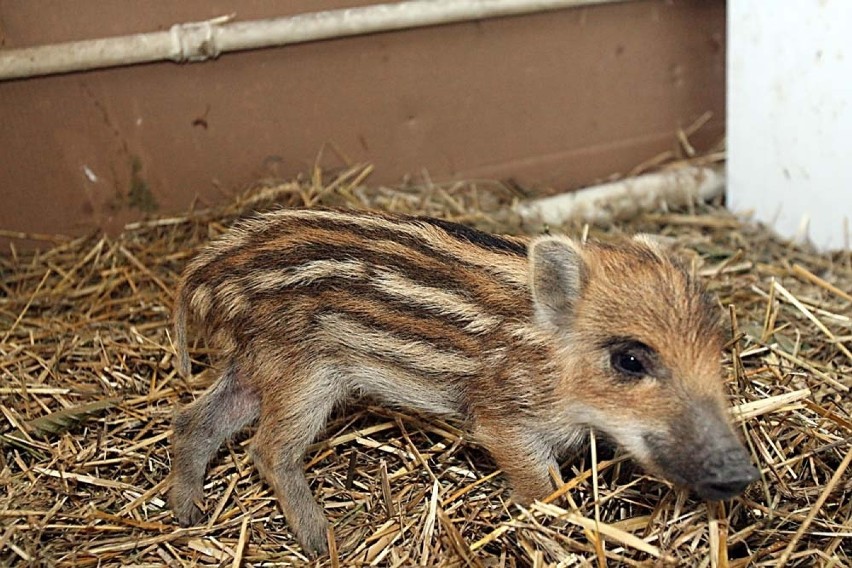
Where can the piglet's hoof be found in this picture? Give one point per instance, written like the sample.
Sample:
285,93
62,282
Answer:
312,537
187,513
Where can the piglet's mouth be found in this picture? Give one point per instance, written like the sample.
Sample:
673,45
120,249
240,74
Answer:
728,489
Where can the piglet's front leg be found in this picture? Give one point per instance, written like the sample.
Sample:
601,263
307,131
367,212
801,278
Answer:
524,458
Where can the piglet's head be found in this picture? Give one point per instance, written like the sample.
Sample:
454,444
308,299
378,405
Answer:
638,345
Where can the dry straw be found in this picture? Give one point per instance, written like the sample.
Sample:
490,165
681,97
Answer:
88,387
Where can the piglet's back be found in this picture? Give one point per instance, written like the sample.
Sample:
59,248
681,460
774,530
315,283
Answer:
290,274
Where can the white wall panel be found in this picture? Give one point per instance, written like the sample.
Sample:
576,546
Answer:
790,115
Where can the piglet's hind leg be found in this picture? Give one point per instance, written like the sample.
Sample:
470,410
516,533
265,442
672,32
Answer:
287,427
199,430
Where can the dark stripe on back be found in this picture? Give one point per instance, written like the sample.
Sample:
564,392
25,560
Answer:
520,305
496,297
488,241
280,226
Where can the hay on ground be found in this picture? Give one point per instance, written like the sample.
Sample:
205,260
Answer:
88,387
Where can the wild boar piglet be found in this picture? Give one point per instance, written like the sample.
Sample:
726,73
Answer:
529,342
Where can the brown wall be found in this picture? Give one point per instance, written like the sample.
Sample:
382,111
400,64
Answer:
555,100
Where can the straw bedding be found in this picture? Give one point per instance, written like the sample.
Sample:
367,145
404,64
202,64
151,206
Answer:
88,388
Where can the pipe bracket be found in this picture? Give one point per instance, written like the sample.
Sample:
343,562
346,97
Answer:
196,41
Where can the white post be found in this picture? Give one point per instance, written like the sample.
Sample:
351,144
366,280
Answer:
790,116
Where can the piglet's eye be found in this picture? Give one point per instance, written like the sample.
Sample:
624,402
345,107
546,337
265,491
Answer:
628,363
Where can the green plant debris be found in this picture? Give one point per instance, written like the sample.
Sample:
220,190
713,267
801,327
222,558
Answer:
140,196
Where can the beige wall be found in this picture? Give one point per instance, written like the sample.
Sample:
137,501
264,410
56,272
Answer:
552,100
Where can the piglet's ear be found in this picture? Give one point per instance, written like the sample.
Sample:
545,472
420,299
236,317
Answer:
558,273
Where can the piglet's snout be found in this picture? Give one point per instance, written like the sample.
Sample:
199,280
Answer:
725,468
727,473
702,452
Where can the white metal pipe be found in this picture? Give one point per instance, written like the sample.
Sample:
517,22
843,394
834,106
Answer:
199,41
603,204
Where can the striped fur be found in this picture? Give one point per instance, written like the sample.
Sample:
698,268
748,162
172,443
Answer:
521,339
382,271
